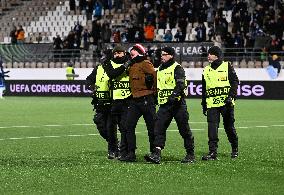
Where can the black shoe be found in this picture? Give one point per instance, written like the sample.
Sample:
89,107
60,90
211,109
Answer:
189,158
130,157
234,153
153,158
210,156
111,155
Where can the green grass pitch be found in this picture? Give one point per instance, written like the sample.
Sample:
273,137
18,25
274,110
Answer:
48,145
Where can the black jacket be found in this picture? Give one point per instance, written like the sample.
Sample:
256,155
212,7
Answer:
111,72
233,79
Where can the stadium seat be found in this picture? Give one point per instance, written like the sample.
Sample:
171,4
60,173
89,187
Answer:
258,64
251,64
83,64
282,64
90,64
77,65
8,65
27,64
184,64
191,64
205,63
39,65
236,64
51,65
44,65
243,64
198,64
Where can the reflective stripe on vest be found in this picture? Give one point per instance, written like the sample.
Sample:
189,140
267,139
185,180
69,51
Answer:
120,85
166,83
102,85
217,85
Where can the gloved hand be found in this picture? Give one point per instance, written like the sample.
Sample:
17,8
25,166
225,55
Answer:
228,101
128,63
204,108
149,81
172,99
156,99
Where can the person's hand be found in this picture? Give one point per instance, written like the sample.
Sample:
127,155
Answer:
128,63
172,99
228,101
204,110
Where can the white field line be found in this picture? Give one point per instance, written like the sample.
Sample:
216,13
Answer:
96,134
78,135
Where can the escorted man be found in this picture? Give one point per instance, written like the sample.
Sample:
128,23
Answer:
219,90
115,70
171,98
99,83
142,78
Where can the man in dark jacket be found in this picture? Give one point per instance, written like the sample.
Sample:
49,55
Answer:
99,83
115,69
142,78
219,90
170,85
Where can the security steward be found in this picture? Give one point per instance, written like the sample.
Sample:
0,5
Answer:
70,72
171,99
115,69
142,78
219,90
99,83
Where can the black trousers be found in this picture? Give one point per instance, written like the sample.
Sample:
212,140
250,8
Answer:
142,106
213,119
102,119
118,117
165,114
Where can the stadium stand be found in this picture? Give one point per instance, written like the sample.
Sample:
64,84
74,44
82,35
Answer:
242,28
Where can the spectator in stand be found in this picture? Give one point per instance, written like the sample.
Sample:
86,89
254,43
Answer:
86,39
125,36
82,5
116,36
201,32
162,19
172,13
151,17
118,5
149,32
20,34
139,34
13,35
96,31
182,24
72,5
168,36
106,32
275,44
178,36
78,29
274,61
89,9
211,32
39,38
98,8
